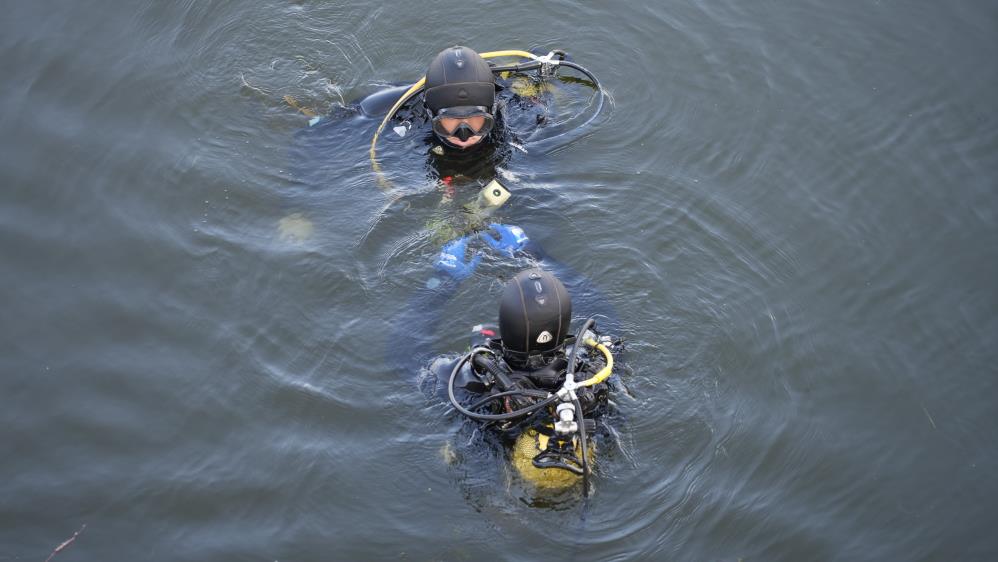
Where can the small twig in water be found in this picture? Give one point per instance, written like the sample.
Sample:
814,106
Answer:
66,543
930,418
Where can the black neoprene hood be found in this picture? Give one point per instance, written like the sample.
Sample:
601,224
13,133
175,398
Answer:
458,76
535,312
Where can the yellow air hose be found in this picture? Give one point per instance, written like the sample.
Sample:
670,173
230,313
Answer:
605,371
415,88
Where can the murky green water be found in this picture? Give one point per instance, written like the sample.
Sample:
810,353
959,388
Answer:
790,208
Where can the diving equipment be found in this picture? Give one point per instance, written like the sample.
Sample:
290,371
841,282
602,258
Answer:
459,76
510,238
460,96
452,259
551,469
534,315
553,438
463,122
493,195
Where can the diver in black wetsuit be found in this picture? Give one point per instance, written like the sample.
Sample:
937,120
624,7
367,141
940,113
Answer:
539,386
469,138
469,144
467,120
469,104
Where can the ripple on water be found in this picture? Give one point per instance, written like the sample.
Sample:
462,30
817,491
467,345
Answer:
791,209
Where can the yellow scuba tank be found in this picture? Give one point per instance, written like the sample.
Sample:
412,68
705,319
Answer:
528,445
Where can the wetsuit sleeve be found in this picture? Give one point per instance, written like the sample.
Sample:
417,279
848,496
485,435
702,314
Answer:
378,103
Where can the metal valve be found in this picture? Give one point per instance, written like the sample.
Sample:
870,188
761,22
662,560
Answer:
566,423
549,65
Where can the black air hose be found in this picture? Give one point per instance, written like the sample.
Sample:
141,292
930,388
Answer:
489,417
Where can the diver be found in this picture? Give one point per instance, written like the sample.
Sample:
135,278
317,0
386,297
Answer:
465,100
540,387
474,112
461,114
470,143
458,128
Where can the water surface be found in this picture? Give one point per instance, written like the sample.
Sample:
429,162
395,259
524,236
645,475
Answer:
791,208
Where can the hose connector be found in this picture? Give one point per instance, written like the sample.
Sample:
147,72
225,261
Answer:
549,64
567,391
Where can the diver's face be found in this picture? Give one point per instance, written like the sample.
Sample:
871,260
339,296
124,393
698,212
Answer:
476,122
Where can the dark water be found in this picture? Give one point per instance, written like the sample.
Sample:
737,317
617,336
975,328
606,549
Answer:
791,207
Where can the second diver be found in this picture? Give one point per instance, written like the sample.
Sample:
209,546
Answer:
538,385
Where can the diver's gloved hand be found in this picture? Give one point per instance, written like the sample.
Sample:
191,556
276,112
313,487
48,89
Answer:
452,259
510,238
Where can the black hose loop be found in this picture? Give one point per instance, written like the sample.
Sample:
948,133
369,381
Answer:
489,417
491,397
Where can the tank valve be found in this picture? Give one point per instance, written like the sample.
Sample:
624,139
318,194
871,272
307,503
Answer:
566,424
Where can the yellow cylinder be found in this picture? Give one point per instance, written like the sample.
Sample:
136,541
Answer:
528,445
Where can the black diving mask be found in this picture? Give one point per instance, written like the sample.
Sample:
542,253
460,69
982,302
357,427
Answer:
463,122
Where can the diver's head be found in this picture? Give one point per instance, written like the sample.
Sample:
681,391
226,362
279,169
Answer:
534,315
460,97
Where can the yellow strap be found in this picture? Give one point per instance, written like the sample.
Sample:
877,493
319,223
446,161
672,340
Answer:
290,100
605,371
382,182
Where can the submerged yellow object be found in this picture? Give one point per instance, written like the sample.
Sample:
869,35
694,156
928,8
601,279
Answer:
528,445
294,228
290,100
530,88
